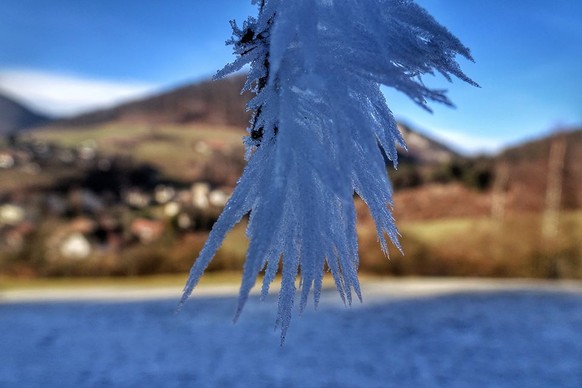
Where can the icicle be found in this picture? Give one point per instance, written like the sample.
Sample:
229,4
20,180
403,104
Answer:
319,128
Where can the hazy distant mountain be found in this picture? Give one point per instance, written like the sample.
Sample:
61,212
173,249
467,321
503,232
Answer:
423,149
15,117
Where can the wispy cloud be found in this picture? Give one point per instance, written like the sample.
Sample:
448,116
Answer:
468,143
65,95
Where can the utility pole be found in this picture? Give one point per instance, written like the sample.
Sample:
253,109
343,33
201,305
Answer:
555,181
499,194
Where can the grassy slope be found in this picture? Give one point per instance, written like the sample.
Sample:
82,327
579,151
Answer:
438,231
435,235
112,132
169,148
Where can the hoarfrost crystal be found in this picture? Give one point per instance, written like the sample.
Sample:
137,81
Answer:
319,131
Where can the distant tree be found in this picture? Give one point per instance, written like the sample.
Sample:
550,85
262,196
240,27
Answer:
320,125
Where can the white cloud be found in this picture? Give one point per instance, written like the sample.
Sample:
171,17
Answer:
65,95
467,143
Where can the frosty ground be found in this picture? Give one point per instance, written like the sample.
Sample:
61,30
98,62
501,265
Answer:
412,333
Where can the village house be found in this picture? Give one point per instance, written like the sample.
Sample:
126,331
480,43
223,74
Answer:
11,214
14,237
6,160
200,192
147,231
137,198
75,246
218,197
164,194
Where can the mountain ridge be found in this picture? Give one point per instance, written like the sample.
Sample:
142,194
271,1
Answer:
209,102
221,104
15,117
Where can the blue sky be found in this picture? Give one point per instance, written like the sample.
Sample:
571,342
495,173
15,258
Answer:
69,56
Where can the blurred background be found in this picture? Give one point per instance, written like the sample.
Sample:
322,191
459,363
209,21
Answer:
117,154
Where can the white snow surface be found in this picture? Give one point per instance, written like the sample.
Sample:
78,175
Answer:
408,334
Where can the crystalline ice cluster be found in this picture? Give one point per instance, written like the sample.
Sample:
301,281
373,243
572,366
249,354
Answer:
319,131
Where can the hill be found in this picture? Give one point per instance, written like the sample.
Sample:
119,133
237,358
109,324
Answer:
532,168
208,102
217,104
533,177
422,149
194,132
15,117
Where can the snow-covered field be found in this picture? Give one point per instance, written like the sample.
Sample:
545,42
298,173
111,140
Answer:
405,334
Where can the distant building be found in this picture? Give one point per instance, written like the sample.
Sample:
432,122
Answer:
218,198
137,199
146,230
184,197
164,194
200,192
75,246
11,214
87,150
184,221
171,209
15,237
6,160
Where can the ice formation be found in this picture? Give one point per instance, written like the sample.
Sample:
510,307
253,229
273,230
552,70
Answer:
318,134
